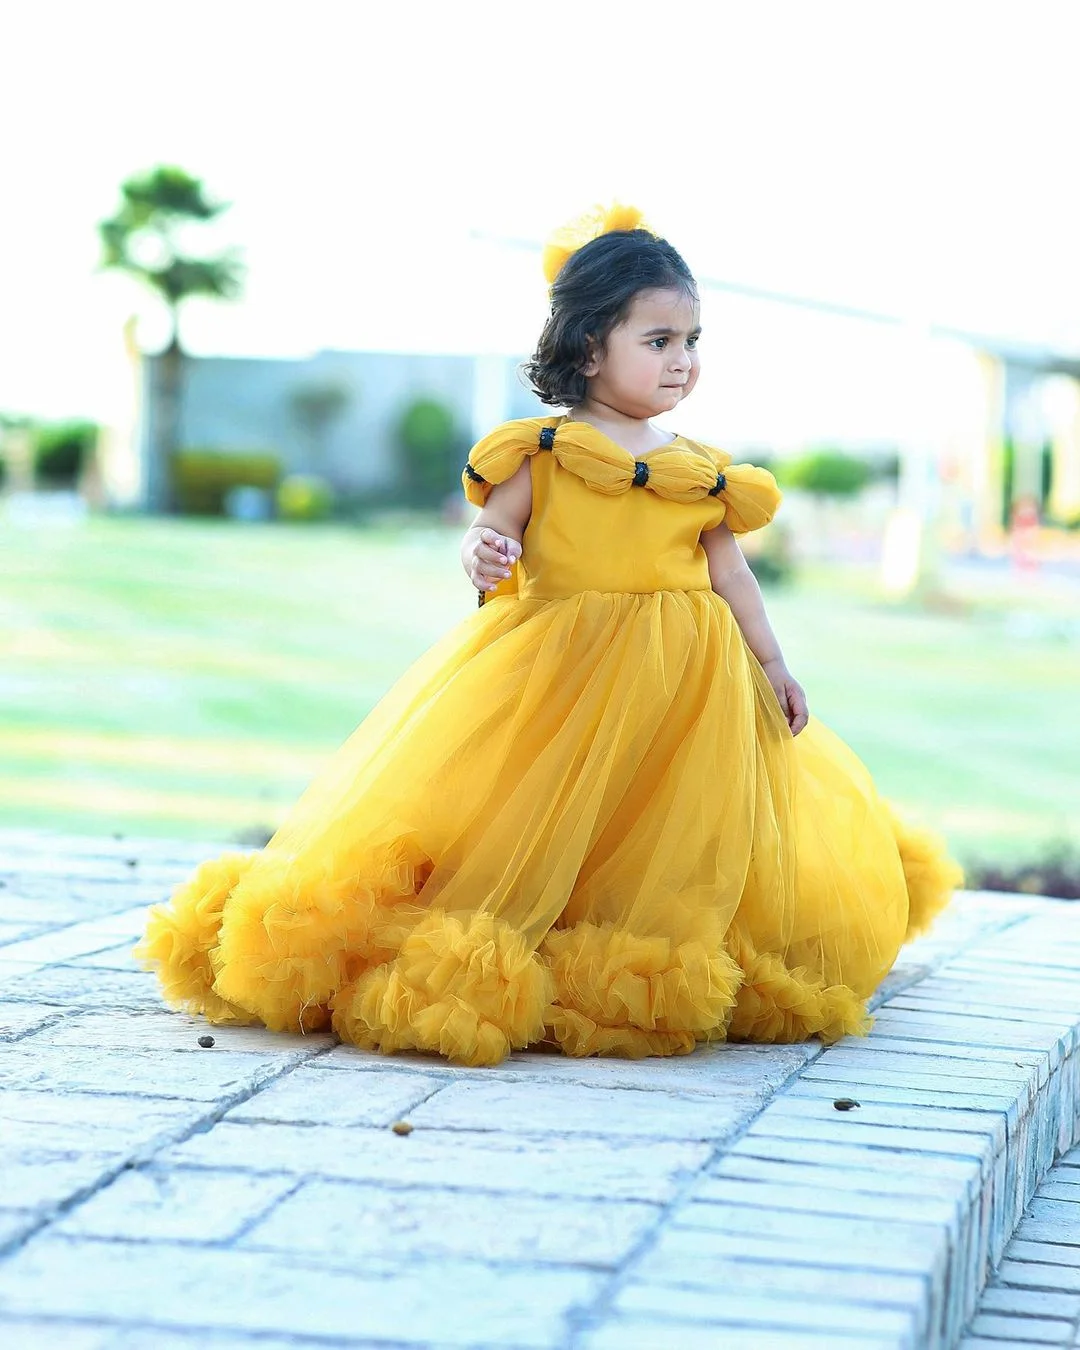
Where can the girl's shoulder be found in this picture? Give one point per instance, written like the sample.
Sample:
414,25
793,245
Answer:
521,431
498,455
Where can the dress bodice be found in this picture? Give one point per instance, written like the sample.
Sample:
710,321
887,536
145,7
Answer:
603,520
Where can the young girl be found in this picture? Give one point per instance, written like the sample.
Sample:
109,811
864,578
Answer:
596,813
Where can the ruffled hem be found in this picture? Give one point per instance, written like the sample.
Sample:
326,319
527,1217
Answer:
467,987
777,1004
181,937
930,874
288,937
619,993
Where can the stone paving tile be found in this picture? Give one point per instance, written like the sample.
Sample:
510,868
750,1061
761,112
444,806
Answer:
802,1282
15,930
14,1223
311,1096
73,1122
18,1020
197,1076
857,1173
70,987
820,1198
39,1334
1030,1303
712,1070
52,1334
175,1031
1043,1330
738,1308
443,1299
666,1334
996,1343
45,1181
176,1204
109,958
922,1175
625,1168
538,1107
347,1224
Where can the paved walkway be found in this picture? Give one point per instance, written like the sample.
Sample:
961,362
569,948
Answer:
158,1195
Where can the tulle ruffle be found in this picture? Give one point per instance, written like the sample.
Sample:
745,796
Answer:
466,986
776,1003
620,993
181,938
930,874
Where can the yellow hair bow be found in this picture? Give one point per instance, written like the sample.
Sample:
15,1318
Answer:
600,220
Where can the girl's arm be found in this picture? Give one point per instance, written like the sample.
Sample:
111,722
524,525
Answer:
492,543
732,579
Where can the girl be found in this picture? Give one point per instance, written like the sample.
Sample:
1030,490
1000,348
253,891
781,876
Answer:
595,814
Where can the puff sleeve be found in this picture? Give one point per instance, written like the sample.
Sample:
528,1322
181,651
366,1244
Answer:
748,498
498,456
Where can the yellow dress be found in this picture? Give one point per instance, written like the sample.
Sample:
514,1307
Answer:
579,818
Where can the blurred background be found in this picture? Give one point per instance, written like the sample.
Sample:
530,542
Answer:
267,272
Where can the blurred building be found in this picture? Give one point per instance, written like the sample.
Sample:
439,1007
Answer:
335,413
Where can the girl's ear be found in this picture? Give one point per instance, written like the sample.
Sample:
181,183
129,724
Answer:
594,356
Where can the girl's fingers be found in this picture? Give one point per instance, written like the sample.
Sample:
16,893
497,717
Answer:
800,714
492,569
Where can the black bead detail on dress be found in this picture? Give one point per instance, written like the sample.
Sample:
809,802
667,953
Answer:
547,438
721,484
641,473
477,478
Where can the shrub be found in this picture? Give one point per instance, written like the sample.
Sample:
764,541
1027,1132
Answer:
429,447
305,496
769,556
828,473
61,450
1056,871
201,477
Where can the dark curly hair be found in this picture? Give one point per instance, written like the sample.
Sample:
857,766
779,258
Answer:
592,295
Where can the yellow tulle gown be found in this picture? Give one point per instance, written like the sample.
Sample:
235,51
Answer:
580,818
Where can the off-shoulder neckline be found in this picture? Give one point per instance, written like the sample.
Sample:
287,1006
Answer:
578,422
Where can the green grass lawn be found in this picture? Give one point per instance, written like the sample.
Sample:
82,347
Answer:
187,678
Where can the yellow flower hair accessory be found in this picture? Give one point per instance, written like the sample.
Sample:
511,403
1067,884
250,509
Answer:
600,220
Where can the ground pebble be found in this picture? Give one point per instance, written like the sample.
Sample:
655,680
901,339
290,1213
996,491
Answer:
206,1042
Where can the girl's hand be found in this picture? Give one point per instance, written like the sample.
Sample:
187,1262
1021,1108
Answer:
789,693
490,559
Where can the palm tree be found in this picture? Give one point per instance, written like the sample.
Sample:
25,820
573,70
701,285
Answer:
142,239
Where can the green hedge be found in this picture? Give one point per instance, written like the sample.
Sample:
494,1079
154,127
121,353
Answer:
62,450
826,472
201,478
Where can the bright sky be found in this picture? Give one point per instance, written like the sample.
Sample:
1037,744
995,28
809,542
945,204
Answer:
915,158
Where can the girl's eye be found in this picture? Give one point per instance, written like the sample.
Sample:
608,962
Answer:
662,341
692,342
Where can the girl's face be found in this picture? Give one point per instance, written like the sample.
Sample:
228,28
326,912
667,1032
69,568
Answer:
650,362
